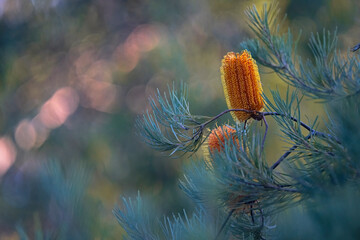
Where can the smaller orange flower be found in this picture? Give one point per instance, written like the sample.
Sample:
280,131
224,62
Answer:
217,137
216,141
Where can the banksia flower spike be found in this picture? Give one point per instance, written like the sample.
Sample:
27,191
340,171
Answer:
241,82
217,137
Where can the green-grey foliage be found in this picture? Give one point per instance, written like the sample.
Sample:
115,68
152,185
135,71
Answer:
327,76
170,126
140,221
69,201
333,215
236,185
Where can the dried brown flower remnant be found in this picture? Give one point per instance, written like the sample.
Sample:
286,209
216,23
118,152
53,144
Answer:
241,82
217,137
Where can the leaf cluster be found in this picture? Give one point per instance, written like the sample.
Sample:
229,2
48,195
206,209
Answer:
328,75
69,205
170,125
140,222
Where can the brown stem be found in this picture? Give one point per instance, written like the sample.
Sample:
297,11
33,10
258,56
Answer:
224,224
260,115
287,154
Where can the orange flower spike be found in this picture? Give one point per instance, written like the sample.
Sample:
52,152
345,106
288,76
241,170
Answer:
217,137
241,82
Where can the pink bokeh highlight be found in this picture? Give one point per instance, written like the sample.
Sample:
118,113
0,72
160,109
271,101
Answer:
7,154
59,107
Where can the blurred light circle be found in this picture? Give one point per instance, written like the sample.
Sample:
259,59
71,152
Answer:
42,132
98,95
136,100
144,38
7,154
25,135
59,107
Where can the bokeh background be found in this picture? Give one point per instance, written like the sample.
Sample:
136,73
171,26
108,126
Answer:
74,74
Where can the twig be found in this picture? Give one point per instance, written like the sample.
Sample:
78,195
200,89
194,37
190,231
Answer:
224,224
307,127
266,130
287,154
271,187
260,116
252,214
355,48
224,112
313,133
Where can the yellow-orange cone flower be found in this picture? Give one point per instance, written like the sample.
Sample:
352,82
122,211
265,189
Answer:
241,82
